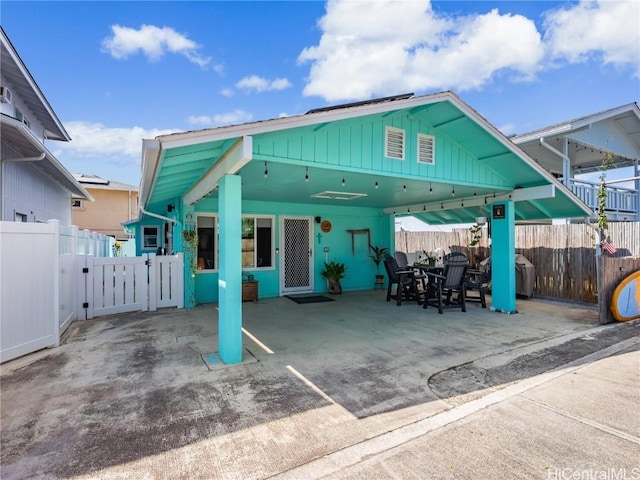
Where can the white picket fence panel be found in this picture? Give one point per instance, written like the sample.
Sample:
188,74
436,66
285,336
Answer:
133,284
52,275
169,280
116,285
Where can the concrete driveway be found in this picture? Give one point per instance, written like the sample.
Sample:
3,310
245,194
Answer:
143,395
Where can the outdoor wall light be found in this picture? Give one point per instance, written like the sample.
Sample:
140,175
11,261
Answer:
343,182
376,185
266,170
306,175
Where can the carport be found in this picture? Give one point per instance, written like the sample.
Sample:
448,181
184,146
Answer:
276,199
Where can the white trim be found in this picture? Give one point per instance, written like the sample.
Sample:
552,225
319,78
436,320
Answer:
273,244
308,288
216,239
390,146
432,148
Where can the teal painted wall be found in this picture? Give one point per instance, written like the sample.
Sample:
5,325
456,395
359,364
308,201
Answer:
360,268
359,145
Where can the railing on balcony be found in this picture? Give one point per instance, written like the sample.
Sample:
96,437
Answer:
619,199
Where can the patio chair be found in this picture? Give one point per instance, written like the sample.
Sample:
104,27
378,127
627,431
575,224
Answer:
477,281
441,288
403,264
406,285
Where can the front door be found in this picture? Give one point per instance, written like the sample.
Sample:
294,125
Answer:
296,265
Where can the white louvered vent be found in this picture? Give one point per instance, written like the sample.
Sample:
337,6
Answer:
426,149
394,143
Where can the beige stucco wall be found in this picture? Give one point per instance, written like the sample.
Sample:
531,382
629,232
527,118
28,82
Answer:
104,215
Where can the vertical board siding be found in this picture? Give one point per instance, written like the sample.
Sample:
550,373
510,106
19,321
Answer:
27,190
360,145
564,256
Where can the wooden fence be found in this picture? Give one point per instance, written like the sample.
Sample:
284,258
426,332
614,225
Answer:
564,255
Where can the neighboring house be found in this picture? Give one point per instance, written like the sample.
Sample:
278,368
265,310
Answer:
572,149
34,186
114,203
279,198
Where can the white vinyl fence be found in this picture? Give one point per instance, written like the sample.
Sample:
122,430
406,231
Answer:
51,275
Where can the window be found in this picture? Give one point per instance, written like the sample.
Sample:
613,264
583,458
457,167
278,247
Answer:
76,203
426,149
257,242
207,239
394,143
150,237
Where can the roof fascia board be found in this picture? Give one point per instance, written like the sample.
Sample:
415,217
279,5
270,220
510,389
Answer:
598,117
151,154
203,136
68,181
575,124
33,85
238,155
516,195
498,135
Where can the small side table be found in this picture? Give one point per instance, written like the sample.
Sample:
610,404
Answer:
250,291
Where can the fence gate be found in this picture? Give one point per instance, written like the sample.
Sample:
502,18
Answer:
131,284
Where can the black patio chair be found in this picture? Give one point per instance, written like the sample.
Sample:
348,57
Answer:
441,287
406,285
477,281
403,264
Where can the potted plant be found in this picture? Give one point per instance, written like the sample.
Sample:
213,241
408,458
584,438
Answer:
334,272
377,257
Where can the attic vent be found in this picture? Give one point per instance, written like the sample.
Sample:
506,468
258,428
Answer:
394,143
426,149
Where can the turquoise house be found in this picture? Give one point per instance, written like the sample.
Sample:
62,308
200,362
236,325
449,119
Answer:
277,198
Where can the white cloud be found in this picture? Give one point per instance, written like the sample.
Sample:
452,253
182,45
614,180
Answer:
227,92
605,29
154,42
230,118
111,145
261,84
377,48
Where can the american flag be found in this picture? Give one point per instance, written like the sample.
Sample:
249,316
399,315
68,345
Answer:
608,246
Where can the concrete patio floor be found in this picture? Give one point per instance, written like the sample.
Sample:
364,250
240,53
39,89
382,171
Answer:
143,395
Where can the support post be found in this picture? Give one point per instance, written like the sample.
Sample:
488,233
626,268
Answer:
503,261
230,272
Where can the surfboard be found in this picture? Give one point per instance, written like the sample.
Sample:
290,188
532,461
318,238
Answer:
625,304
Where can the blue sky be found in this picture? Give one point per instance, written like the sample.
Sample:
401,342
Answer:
117,72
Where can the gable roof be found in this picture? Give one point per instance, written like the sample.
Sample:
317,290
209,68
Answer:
586,140
24,85
173,163
19,137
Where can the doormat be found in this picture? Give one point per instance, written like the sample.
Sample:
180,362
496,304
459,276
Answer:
310,299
